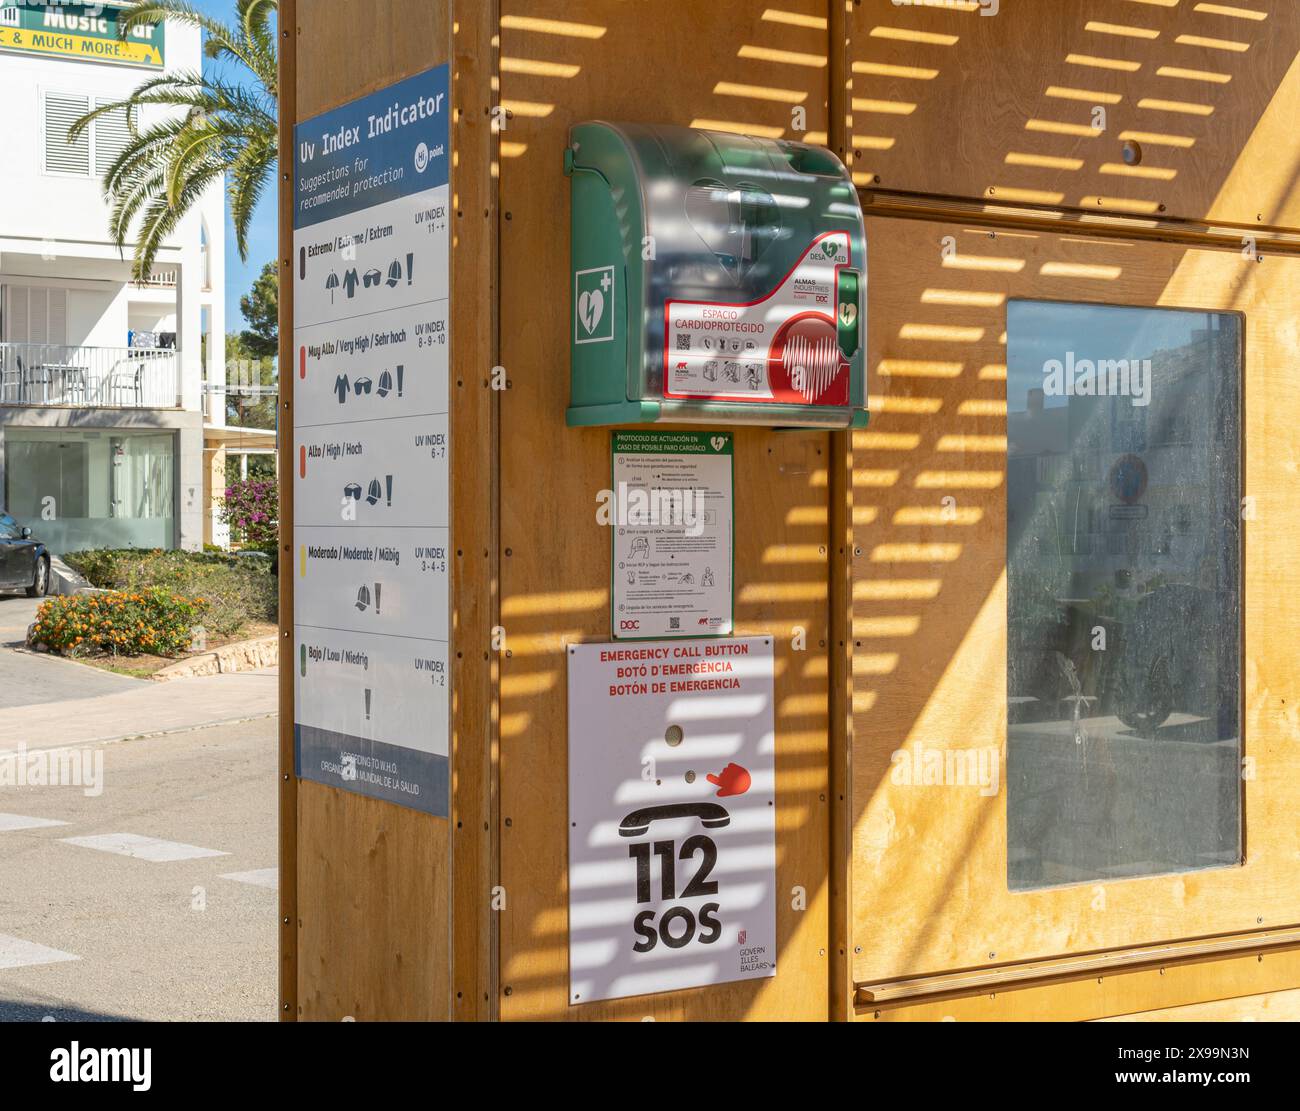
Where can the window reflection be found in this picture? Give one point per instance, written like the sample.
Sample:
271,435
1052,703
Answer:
1123,605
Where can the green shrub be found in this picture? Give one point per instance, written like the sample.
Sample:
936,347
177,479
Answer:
239,589
150,622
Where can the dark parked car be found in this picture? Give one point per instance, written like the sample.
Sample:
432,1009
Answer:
24,562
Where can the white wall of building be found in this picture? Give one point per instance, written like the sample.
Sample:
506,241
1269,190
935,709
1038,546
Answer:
54,232
40,205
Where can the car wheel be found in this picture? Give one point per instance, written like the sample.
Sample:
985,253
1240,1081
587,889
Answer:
41,581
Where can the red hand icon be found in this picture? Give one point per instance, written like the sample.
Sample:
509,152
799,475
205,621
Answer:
732,780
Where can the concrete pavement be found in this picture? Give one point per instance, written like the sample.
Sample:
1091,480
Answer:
143,709
51,702
26,679
152,895
154,899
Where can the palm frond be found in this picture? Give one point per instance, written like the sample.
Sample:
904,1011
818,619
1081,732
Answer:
222,39
200,128
248,179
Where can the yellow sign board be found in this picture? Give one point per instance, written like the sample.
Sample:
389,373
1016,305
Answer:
84,47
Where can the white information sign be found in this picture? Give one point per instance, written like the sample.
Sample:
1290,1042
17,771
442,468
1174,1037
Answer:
671,564
372,441
672,816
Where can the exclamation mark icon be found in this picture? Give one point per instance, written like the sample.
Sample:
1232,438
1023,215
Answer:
401,373
367,704
378,588
388,479
410,268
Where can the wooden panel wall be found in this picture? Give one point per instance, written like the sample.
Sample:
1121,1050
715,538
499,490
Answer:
947,101
563,61
926,100
1236,988
930,866
367,885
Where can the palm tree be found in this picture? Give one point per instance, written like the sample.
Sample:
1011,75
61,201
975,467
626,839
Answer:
207,126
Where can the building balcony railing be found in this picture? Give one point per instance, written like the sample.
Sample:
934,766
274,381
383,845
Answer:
43,374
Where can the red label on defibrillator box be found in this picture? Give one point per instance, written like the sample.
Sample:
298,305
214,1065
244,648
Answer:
783,349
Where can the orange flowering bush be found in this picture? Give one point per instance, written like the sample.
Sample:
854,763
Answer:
149,622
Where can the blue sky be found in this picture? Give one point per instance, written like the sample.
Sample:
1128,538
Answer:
262,239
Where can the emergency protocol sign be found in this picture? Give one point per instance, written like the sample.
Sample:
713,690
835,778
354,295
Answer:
672,816
671,570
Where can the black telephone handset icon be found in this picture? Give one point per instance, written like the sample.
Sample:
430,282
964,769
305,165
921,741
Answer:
710,814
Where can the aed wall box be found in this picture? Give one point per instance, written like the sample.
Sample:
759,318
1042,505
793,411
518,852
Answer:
716,278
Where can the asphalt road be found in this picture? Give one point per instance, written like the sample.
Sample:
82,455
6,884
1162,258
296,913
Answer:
150,930
27,679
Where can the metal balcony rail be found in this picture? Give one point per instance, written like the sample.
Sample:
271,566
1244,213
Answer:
159,279
44,374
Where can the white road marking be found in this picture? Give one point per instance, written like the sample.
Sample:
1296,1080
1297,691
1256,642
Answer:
142,848
10,822
17,953
261,877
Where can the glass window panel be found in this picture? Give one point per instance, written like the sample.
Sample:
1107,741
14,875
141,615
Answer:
97,489
1123,592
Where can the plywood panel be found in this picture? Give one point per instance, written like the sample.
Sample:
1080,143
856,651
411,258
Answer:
287,816
372,883
1236,987
949,101
474,504
564,61
1274,1006
929,864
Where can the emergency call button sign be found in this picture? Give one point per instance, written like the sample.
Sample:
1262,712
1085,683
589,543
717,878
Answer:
672,816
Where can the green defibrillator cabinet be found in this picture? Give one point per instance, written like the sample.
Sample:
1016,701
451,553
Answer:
716,278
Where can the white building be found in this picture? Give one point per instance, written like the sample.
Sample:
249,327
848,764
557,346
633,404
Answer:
102,404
